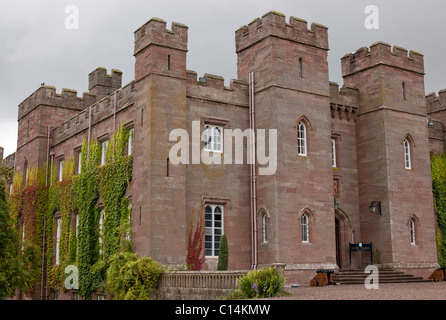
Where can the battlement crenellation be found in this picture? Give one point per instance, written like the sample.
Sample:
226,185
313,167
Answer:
212,87
436,102
155,32
274,24
99,111
46,95
381,53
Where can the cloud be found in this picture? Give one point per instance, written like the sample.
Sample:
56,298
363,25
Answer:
36,47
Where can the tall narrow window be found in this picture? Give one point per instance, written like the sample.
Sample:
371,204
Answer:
23,235
76,223
407,156
61,164
104,152
101,231
128,235
79,162
213,216
213,136
301,68
301,139
333,153
412,231
58,231
26,171
305,229
265,228
168,62
404,91
130,145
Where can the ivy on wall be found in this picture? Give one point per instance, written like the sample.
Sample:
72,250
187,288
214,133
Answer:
34,205
438,168
114,178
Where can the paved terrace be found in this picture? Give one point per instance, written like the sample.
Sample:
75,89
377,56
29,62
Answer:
386,291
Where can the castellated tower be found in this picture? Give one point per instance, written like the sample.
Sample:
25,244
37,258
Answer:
159,199
289,62
38,114
101,84
393,156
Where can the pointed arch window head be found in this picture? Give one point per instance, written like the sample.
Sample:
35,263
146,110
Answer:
407,154
213,215
301,139
305,227
265,227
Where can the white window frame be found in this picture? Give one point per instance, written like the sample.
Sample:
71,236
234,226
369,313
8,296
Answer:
128,236
305,228
79,162
58,233
265,227
412,231
301,139
213,138
130,144
61,164
104,145
76,222
23,236
101,231
333,153
407,155
212,230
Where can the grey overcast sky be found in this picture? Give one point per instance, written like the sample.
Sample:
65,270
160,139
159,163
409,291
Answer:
36,47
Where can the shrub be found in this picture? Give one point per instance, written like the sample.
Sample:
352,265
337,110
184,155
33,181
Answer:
262,283
130,278
195,244
223,254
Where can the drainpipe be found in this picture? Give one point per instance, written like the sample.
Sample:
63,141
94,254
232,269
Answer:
44,227
89,133
253,176
114,120
43,262
47,155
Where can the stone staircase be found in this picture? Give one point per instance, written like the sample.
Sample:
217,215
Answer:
344,277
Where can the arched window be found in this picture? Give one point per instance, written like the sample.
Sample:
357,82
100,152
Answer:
265,227
213,216
301,139
213,138
58,232
305,228
301,68
101,231
412,230
407,156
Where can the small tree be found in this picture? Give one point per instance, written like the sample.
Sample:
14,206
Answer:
195,244
11,275
223,254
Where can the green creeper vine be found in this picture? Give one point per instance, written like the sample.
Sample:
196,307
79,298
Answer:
35,204
438,167
113,182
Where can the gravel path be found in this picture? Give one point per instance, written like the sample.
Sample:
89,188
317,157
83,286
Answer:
386,291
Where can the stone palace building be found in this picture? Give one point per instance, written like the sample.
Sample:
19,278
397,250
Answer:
353,162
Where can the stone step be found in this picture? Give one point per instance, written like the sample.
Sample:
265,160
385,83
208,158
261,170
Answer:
384,276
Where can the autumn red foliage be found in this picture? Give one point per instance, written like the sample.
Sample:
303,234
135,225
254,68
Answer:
195,243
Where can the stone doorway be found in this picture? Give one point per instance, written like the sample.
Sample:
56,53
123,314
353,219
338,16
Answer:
342,231
338,243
